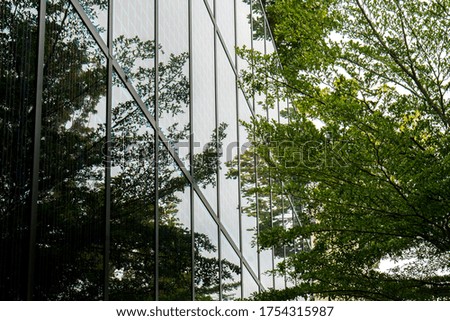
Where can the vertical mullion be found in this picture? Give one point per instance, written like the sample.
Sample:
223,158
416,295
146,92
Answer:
270,172
238,138
216,111
156,150
36,147
107,244
254,156
284,246
191,150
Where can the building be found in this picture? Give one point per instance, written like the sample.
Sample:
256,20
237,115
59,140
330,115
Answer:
122,149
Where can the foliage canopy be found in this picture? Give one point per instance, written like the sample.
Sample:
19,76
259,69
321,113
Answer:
364,150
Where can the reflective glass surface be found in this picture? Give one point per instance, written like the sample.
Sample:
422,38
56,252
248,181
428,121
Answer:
283,111
226,23
18,53
280,218
231,271
267,210
266,264
243,34
175,236
248,193
259,44
249,284
97,12
227,113
210,4
122,219
206,278
70,227
174,85
206,139
132,259
134,45
258,26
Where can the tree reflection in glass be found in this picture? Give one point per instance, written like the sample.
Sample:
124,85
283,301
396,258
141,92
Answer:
70,241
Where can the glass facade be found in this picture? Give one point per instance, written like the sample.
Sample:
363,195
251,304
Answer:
125,172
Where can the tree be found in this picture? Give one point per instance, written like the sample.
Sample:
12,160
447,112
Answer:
364,151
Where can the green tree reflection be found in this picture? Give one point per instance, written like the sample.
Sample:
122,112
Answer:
70,231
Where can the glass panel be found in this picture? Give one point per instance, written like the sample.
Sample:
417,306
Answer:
70,233
259,44
131,269
283,111
258,25
203,98
248,193
270,45
243,26
97,12
18,31
231,272
225,22
206,254
210,4
249,284
134,45
227,113
266,263
293,219
280,218
280,282
273,112
174,74
273,107
267,209
175,237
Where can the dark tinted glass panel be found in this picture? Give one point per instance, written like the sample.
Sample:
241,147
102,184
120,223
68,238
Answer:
174,74
134,45
175,237
18,33
231,272
131,269
69,249
206,255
